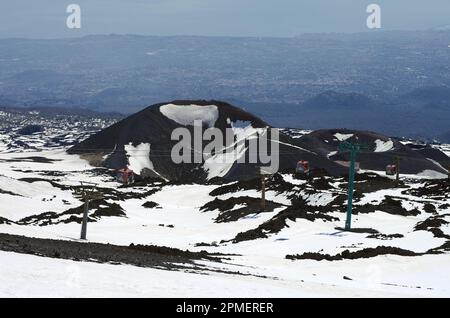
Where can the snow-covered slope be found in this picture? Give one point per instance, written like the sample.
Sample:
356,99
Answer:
294,248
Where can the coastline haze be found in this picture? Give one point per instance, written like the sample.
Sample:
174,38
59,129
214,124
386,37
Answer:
261,18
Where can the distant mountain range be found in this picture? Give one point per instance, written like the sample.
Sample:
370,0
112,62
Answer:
392,82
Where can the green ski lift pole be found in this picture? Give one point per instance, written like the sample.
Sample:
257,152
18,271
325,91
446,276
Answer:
354,149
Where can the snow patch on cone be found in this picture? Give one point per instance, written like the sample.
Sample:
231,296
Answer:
187,114
383,146
139,157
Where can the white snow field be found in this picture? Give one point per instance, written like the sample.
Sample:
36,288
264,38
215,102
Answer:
180,222
33,276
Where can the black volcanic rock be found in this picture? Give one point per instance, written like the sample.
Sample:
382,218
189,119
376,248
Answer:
151,126
30,129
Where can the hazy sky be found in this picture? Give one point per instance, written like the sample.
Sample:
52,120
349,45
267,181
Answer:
47,18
